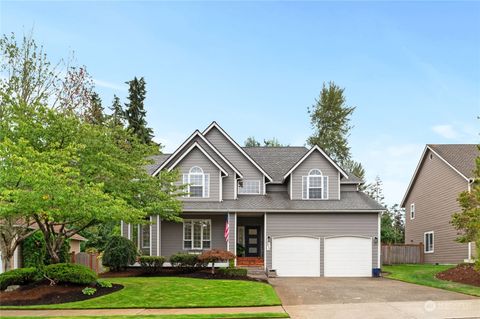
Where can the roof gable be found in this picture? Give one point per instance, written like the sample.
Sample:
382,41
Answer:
304,157
459,157
191,148
214,125
179,150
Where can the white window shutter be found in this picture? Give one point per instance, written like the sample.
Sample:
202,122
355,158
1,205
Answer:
325,187
304,187
206,188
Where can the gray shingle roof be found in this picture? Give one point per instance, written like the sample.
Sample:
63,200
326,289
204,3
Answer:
460,156
277,161
280,201
157,161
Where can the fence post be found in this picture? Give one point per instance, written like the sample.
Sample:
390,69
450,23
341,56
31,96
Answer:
422,254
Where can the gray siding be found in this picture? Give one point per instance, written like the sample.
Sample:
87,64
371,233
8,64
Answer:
348,187
277,188
315,160
197,158
434,192
172,234
323,225
228,150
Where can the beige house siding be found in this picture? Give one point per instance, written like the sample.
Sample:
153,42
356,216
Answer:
434,193
75,246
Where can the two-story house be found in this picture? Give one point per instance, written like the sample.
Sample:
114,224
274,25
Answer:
290,209
443,172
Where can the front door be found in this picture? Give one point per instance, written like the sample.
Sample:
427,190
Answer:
252,241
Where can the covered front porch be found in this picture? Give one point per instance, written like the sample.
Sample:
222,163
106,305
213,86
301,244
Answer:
250,239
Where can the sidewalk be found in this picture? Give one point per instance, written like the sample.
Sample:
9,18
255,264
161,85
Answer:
126,312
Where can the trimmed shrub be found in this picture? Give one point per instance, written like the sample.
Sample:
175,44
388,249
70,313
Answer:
184,261
234,272
215,255
89,291
70,273
34,250
119,253
20,276
104,284
151,263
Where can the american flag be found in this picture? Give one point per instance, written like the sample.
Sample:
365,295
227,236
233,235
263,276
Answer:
227,229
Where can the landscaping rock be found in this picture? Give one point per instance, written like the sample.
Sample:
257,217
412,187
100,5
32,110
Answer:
12,288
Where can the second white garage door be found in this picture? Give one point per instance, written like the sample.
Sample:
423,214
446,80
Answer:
348,257
296,256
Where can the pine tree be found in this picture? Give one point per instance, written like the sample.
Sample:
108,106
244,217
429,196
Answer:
135,111
94,113
251,142
118,114
330,119
375,190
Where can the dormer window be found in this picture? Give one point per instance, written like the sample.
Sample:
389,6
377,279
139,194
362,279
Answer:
315,185
198,183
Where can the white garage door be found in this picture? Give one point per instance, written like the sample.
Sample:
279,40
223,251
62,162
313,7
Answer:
348,257
296,256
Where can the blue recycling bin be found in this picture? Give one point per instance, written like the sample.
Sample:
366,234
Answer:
376,272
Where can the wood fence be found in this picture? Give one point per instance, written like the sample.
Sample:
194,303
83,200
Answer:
402,254
92,261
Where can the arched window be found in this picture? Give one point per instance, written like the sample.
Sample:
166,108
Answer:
198,182
314,185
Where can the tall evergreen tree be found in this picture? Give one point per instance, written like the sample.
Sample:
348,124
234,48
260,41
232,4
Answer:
375,190
355,168
135,111
251,142
330,119
118,114
94,113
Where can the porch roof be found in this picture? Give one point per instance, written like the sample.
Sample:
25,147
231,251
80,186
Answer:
280,202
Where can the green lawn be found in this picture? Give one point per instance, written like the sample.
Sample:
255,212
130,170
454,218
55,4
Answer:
217,316
425,275
176,292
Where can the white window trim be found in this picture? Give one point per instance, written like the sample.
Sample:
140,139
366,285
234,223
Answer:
322,187
412,209
205,186
201,234
249,180
425,242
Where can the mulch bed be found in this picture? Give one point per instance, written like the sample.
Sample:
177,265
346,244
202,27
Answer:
464,273
43,294
172,272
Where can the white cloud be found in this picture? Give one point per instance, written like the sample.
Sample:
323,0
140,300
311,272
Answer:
109,85
445,131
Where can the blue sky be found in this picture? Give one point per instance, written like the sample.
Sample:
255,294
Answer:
412,69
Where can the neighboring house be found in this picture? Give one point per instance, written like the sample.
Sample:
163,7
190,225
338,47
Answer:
444,171
16,261
289,209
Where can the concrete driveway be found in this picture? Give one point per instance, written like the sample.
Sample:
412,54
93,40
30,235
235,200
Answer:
370,298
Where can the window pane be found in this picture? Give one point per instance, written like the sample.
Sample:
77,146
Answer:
206,230
187,244
249,187
315,193
315,181
196,191
196,179
187,230
206,244
145,236
197,234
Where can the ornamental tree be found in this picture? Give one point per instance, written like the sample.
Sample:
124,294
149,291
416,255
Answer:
215,255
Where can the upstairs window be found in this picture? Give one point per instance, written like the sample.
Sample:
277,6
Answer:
249,187
198,183
315,185
412,211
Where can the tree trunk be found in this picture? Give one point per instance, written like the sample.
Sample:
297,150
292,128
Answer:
213,268
7,265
